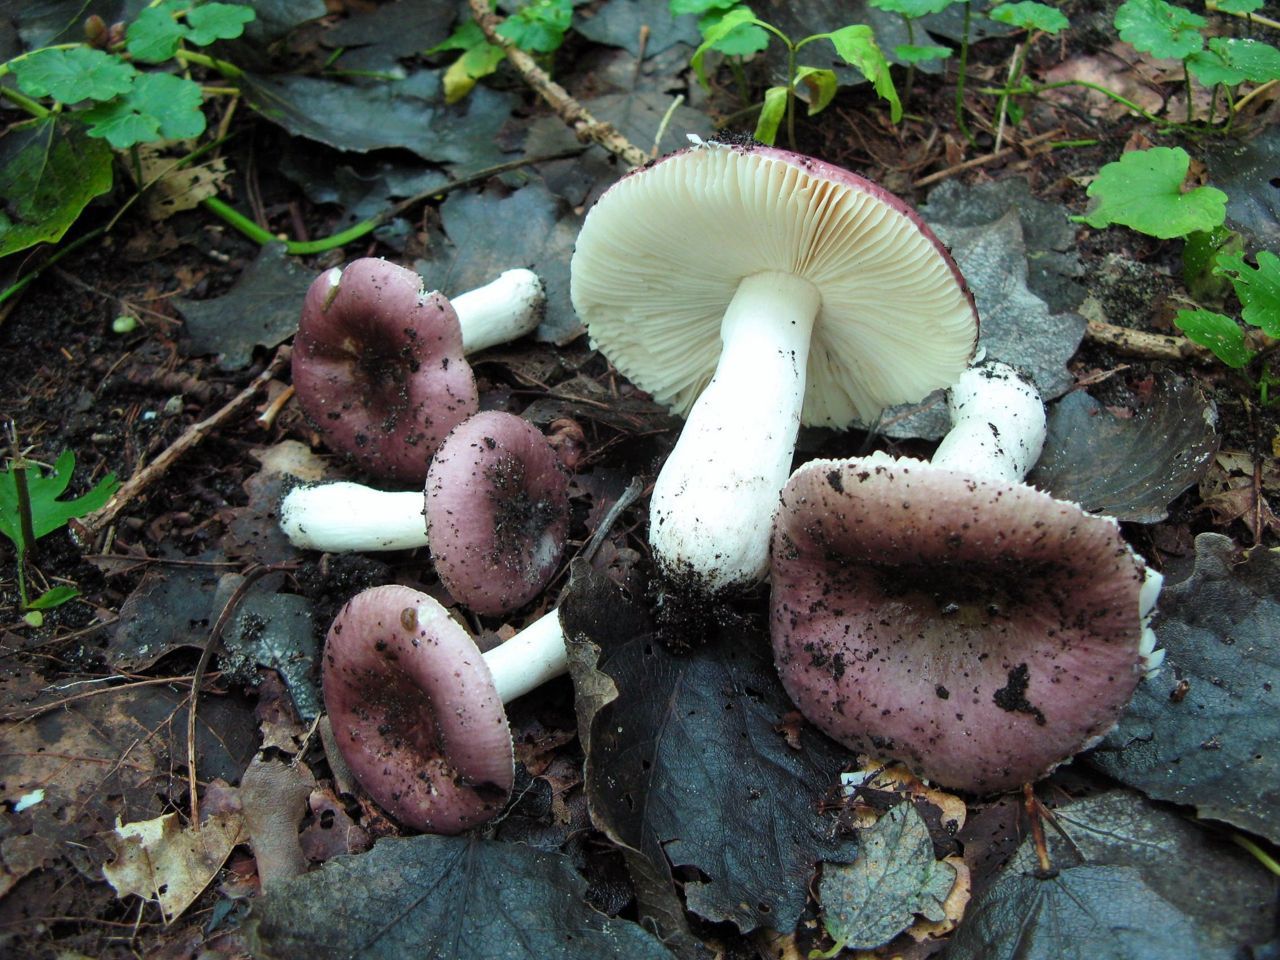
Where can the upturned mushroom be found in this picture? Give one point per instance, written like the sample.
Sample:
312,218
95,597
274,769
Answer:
378,361
496,513
949,616
417,710
751,289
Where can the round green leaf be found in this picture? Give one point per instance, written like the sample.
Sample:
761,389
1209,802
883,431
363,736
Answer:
155,36
1160,28
913,9
70,76
1143,190
1030,16
217,21
913,53
1229,60
1218,333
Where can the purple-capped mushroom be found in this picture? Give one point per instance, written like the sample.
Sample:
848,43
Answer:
496,513
417,710
948,615
751,289
378,361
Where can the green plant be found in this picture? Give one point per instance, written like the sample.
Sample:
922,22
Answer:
1146,191
537,27
855,44
30,509
85,100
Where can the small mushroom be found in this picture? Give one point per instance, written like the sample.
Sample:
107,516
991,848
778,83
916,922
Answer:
950,616
417,710
378,361
751,289
496,513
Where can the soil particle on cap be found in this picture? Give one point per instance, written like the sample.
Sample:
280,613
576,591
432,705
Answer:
1013,696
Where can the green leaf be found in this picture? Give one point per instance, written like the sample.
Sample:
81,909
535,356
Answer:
474,64
49,171
700,7
822,86
870,901
48,513
1030,16
156,35
55,597
70,76
913,53
217,21
735,18
159,107
467,36
741,41
913,9
1160,28
856,45
1258,289
771,114
1218,333
538,27
1143,190
1199,261
1231,61
1239,6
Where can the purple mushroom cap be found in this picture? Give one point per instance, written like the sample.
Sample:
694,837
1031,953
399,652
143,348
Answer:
379,369
415,712
497,512
980,631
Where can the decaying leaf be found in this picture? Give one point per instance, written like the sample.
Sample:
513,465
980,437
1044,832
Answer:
1212,743
162,861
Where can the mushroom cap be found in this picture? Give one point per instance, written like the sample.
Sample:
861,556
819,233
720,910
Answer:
497,512
980,631
379,369
660,255
415,713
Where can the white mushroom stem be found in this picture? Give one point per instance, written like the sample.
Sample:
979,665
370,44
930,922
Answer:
998,425
342,517
713,503
501,311
529,659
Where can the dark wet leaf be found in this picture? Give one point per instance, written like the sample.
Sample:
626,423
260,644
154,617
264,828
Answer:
1212,743
1130,469
1139,883
1246,170
376,38
169,609
1017,326
870,901
494,231
273,630
637,116
62,21
441,897
619,23
686,762
49,171
384,114
260,310
275,18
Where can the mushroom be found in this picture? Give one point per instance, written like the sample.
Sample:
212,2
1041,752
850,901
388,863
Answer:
950,616
417,710
378,361
751,289
496,513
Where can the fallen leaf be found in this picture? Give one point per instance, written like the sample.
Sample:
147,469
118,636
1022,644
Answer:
160,860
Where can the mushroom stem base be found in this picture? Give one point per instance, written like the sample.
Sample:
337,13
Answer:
529,659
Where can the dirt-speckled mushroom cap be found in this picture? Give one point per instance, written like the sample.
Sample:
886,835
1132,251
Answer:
415,712
379,369
980,631
497,512
661,254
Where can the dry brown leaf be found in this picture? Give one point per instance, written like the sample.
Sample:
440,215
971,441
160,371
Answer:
161,861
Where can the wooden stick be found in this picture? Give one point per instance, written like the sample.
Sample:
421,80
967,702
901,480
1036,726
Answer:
86,530
986,158
586,127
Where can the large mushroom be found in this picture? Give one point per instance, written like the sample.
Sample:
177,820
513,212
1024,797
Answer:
751,289
496,513
417,710
949,616
378,361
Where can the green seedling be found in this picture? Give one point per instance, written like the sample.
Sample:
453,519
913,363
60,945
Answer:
910,52
84,101
1037,20
855,44
1145,191
30,508
538,27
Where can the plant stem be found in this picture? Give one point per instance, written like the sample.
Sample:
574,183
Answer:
25,103
1186,83
228,70
1037,89
964,66
1252,18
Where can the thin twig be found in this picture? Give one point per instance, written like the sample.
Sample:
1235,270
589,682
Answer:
86,530
985,158
586,127
28,713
